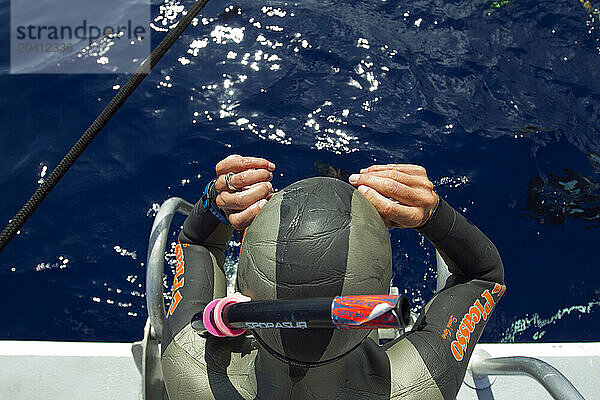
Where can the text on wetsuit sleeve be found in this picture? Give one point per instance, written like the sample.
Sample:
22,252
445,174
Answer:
476,313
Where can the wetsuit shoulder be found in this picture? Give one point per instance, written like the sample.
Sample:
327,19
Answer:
199,277
199,368
192,365
451,323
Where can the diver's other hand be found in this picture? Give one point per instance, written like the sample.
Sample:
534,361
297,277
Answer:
401,193
250,187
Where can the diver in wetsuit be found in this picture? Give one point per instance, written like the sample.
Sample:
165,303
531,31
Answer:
321,237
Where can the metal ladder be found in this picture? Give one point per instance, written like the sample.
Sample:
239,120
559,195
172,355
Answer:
147,351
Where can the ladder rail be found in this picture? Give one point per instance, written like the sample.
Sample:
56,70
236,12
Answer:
156,259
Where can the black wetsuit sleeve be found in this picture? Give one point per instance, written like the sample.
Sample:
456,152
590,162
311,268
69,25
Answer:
452,322
199,276
465,249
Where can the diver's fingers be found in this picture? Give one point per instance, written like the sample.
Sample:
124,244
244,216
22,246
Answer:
406,168
245,198
243,179
391,188
237,163
393,213
414,181
243,219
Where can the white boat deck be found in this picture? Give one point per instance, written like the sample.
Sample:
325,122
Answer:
95,371
68,371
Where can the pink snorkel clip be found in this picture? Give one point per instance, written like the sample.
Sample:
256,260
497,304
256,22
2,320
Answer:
215,325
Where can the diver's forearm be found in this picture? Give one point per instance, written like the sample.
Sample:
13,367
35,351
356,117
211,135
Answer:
202,228
199,225
466,250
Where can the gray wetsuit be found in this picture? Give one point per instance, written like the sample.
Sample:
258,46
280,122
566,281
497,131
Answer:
429,362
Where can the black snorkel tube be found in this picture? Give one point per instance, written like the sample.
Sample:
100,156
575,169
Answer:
232,315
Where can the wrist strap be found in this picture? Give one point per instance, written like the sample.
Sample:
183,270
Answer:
208,202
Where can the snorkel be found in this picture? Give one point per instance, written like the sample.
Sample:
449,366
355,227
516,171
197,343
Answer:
232,315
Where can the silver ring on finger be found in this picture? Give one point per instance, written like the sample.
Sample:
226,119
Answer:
228,182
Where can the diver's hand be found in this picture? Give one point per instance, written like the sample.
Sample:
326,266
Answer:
401,193
251,177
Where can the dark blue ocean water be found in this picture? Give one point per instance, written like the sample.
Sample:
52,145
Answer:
501,105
